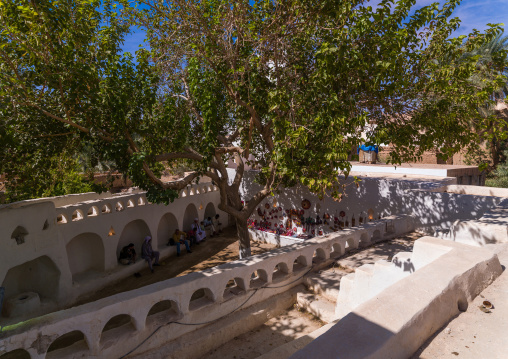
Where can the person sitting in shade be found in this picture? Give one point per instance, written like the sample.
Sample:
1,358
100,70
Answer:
127,254
217,225
209,230
148,254
179,237
199,232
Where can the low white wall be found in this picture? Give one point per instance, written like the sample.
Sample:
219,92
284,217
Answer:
82,240
277,270
383,196
397,321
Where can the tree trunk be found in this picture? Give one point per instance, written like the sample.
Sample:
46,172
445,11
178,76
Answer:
243,238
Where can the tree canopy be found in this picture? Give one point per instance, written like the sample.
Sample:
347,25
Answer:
294,84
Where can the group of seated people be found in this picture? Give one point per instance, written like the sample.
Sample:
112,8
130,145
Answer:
198,233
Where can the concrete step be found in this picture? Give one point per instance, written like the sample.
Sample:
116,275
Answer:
326,283
317,305
363,272
402,256
382,265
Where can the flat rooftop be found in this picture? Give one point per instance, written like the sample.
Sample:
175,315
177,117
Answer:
434,170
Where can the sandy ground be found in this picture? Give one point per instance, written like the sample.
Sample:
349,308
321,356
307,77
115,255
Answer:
213,252
274,333
474,334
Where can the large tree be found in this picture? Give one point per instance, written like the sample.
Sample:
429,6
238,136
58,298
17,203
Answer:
295,84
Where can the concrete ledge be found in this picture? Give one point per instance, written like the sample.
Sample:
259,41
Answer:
396,322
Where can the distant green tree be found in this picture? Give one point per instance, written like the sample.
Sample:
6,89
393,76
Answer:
492,63
65,87
499,177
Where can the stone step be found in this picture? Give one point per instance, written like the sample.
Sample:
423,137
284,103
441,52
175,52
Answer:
317,305
402,256
382,265
364,271
326,283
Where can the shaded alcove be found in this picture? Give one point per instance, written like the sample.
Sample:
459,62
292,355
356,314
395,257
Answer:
336,250
77,215
163,312
166,228
319,255
40,276
19,235
191,212
117,327
280,272
258,279
16,354
200,298
210,210
134,232
376,236
67,344
299,264
234,287
364,239
85,253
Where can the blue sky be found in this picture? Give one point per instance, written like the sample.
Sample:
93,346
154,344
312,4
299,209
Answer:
474,14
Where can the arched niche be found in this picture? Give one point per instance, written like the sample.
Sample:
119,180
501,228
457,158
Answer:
93,211
166,228
234,287
106,209
19,234
201,298
210,210
134,232
350,242
40,276
16,354
163,312
130,203
66,345
376,236
61,218
77,215
85,254
299,263
280,272
336,250
191,212
141,201
364,240
319,255
117,327
370,214
258,278
119,206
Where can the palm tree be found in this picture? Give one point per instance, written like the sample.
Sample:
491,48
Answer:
489,54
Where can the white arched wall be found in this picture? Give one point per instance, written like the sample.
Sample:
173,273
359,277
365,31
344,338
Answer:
134,232
166,228
210,211
191,212
85,253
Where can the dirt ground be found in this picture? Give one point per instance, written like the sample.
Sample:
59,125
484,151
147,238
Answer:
277,331
213,252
